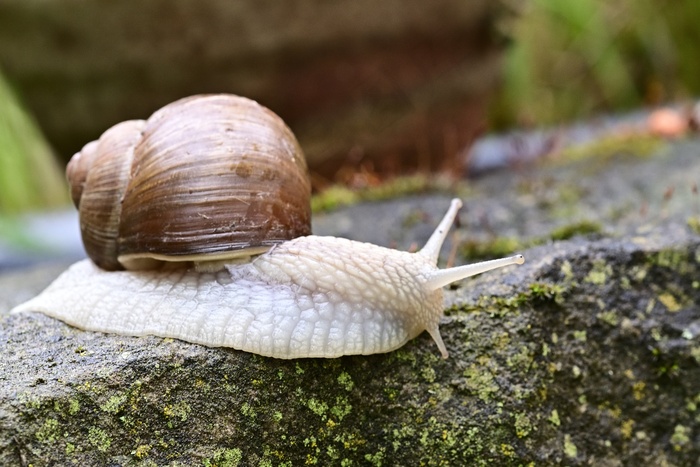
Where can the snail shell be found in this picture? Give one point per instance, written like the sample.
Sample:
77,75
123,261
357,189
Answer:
206,178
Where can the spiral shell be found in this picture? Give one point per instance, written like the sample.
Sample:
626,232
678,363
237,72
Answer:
206,178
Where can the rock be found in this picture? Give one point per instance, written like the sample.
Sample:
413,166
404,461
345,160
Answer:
589,351
587,354
397,84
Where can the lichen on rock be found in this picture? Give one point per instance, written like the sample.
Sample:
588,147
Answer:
588,353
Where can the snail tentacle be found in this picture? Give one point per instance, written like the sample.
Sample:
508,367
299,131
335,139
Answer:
441,277
432,247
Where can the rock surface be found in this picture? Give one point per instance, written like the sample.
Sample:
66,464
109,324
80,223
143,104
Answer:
589,354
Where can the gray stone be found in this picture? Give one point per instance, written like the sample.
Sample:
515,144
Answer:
589,354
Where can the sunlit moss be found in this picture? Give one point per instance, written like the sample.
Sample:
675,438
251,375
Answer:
568,231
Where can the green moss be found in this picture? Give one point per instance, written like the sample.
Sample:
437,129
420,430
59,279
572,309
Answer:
376,458
400,434
613,145
545,349
680,437
638,390
339,195
341,408
248,411
311,442
114,403
496,247
672,259
345,381
141,451
73,407
507,450
521,359
99,439
584,227
333,198
29,400
580,335
567,271
523,425
224,458
569,447
391,393
202,385
318,407
332,452
178,411
554,418
609,317
428,374
48,431
599,273
70,448
480,381
541,291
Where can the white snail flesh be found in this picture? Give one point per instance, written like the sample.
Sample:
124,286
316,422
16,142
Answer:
308,297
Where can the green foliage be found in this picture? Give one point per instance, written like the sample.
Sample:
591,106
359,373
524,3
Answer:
572,59
29,175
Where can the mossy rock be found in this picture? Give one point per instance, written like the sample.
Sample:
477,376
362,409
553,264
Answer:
589,352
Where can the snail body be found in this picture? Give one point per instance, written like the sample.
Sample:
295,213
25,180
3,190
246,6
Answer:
309,296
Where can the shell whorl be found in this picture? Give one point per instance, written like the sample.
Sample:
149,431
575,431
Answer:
203,177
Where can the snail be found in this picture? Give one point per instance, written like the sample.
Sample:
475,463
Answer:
167,256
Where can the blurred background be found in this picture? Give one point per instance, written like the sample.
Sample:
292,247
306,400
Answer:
374,91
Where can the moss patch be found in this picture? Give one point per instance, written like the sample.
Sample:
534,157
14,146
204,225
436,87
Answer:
337,196
585,227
